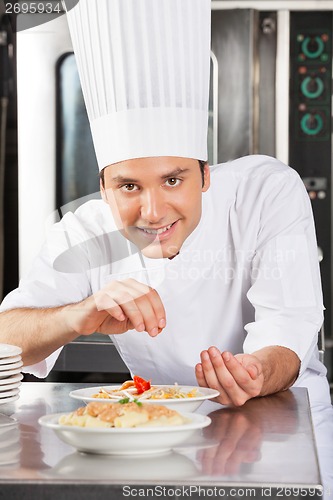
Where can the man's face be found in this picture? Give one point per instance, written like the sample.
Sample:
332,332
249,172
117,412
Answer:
156,202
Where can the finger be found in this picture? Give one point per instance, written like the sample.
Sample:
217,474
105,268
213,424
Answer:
251,364
153,320
253,371
129,308
207,460
104,302
135,304
234,392
222,456
252,445
149,320
209,371
111,325
234,463
143,290
237,431
212,380
141,308
200,375
241,375
245,452
158,307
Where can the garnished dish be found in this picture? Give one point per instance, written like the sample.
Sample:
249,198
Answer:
122,414
141,389
125,428
180,397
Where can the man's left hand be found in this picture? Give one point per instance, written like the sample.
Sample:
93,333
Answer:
237,378
244,376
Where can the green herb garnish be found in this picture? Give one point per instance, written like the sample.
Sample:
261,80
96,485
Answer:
127,400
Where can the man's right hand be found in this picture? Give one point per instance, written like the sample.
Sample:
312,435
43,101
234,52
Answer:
116,308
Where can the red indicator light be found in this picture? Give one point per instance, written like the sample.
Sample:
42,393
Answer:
324,37
302,107
302,70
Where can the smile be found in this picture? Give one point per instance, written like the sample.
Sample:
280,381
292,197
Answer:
160,234
157,231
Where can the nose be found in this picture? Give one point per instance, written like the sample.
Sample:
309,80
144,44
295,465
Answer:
153,206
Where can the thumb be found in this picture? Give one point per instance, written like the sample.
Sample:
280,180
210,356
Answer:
254,371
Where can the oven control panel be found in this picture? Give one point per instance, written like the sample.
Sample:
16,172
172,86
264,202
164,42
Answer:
312,84
310,126
311,94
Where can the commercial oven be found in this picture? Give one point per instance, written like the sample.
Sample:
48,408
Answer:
270,93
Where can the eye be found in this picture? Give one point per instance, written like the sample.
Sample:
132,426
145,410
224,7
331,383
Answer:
173,181
129,187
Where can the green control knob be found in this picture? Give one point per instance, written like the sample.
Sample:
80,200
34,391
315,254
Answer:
311,123
312,87
313,47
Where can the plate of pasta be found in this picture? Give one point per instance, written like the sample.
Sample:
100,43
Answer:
181,397
124,428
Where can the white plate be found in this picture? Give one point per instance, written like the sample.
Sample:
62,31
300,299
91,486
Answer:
12,359
11,380
7,350
179,404
121,441
9,387
11,366
6,394
9,373
11,399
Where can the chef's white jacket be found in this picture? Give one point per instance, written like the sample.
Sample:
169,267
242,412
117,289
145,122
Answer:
247,277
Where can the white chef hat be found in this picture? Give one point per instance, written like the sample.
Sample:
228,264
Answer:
144,70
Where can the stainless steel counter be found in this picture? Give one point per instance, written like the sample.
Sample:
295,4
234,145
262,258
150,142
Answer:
264,449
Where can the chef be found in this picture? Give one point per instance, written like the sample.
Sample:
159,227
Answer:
199,274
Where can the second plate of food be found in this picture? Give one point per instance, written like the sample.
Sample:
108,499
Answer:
126,441
178,397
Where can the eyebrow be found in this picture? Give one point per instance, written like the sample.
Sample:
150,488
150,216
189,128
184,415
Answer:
119,179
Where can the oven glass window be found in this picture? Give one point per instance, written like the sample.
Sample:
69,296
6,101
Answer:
77,170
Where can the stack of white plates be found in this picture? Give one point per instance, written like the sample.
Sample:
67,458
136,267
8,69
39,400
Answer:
10,373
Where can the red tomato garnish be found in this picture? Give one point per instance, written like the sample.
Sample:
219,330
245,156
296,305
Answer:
141,384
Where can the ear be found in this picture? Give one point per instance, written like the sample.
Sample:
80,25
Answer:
206,178
103,191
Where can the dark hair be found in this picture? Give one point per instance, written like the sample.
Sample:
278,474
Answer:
202,165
